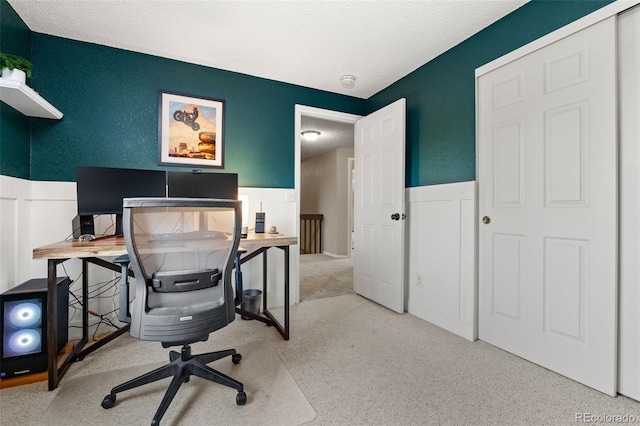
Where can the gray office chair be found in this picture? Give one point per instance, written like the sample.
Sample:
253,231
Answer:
182,252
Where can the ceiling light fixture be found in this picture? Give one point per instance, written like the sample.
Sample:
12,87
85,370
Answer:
348,81
310,135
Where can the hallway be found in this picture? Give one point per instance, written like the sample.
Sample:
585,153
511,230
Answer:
323,276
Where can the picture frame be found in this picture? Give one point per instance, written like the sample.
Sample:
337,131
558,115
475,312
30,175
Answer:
190,130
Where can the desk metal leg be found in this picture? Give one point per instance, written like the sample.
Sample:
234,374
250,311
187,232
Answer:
283,330
243,260
78,352
85,300
286,291
268,317
52,355
264,282
85,308
55,373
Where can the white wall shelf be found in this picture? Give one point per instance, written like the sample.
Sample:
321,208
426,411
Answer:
26,100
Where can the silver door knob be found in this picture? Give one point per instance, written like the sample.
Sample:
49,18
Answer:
395,216
486,220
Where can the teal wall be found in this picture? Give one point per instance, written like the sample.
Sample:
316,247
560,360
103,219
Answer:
109,98
441,94
15,38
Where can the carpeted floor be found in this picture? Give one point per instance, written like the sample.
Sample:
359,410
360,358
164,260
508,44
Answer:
324,276
356,363
273,395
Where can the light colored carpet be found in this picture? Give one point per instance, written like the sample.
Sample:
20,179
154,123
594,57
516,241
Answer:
361,364
323,276
273,396
356,363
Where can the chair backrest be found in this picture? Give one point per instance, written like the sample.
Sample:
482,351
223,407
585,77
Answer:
182,252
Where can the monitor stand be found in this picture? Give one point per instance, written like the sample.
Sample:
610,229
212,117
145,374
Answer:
118,231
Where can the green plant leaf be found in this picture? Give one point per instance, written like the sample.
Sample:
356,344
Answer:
14,61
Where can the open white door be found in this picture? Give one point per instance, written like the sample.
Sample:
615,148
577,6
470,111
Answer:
378,264
548,198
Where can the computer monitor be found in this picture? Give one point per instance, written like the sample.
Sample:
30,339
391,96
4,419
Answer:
202,185
100,190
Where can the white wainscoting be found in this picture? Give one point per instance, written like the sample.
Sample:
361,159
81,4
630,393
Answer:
13,194
280,211
36,213
442,259
32,214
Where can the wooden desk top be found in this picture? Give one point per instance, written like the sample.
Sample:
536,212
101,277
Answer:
114,246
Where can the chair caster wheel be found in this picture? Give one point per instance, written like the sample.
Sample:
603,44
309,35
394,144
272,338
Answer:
108,401
236,358
241,398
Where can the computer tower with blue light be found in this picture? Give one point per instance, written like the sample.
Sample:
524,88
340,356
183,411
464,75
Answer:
23,312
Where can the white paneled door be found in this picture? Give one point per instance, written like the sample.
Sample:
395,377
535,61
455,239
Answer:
547,167
378,265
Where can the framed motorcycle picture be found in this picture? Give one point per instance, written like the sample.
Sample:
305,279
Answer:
190,130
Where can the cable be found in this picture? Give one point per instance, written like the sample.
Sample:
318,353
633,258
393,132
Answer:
103,320
98,291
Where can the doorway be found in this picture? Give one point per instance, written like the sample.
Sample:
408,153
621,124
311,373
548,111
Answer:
329,272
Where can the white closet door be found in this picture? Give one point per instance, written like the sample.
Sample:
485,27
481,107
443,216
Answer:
547,169
629,102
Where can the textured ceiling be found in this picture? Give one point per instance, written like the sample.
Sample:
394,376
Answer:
309,43
333,135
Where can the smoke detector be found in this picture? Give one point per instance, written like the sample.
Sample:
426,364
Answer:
348,81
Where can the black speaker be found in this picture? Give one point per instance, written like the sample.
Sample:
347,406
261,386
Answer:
82,225
259,229
23,312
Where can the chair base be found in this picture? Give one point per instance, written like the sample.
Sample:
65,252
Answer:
183,365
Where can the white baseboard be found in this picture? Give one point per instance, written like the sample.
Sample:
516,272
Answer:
337,256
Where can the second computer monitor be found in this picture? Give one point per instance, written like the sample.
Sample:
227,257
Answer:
202,185
100,190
